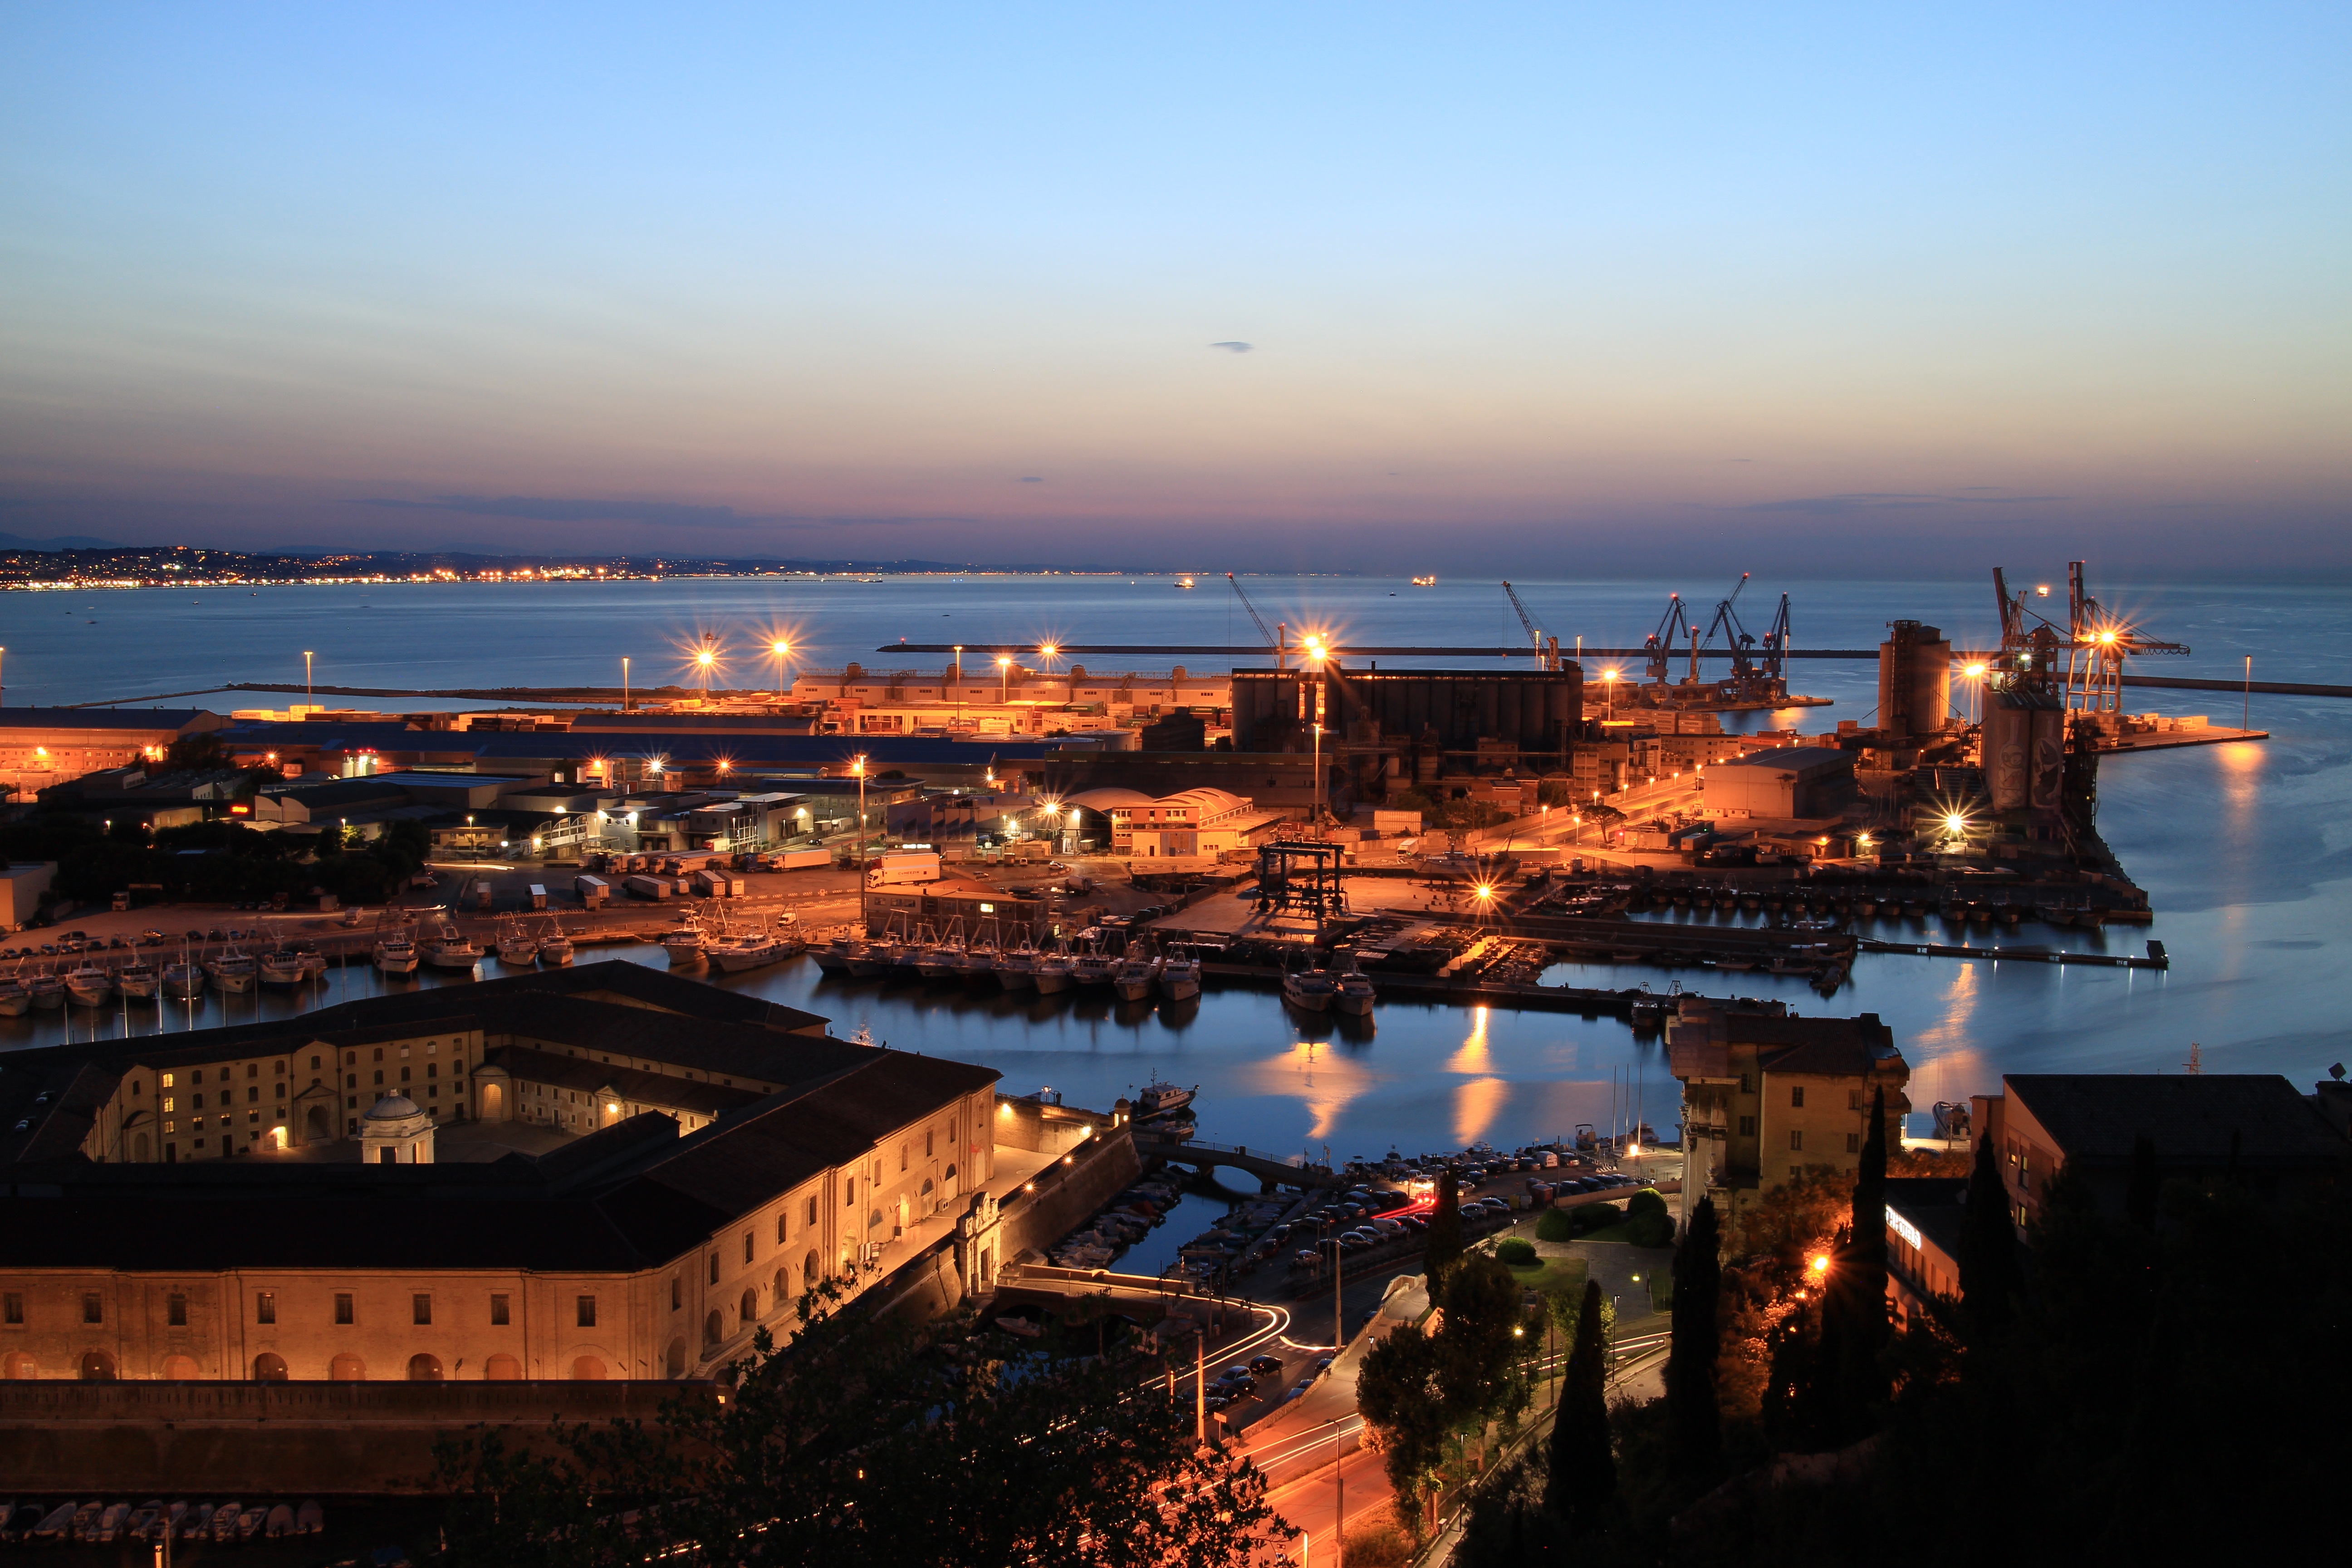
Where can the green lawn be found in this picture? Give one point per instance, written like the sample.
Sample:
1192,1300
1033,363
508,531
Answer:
1549,1273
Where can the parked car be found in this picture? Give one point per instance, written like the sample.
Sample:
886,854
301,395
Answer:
1266,1366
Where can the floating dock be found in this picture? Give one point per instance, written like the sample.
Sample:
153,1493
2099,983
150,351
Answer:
2155,958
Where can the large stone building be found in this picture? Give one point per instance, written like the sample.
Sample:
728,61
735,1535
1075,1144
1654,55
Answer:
599,1171
1764,1097
44,746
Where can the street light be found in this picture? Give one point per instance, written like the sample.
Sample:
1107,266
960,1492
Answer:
704,658
625,683
307,695
1003,679
780,651
1609,693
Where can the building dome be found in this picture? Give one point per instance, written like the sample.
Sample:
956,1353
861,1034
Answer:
393,1108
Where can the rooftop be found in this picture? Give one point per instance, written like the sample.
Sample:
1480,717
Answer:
2096,1118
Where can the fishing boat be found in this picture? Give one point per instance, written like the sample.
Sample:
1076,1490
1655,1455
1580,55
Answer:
90,987
685,946
734,955
1162,1098
183,980
232,972
1180,977
518,949
48,993
14,1000
1017,970
282,966
1310,989
137,978
1354,996
556,950
975,963
1092,971
832,955
1131,982
396,954
937,961
1053,973
313,962
449,948
873,960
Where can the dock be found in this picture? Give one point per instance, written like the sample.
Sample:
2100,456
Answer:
2156,959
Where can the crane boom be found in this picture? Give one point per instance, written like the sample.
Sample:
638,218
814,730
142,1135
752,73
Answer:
1273,644
1534,633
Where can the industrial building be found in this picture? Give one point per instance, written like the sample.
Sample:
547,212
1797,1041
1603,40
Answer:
1782,782
1388,729
44,746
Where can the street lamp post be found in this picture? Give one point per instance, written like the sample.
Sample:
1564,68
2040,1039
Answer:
307,695
781,650
704,658
625,683
1003,679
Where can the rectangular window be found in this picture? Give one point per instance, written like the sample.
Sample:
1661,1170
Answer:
714,1268
926,1143
11,1310
1796,1140
176,1311
904,1150
586,1306
421,1309
265,1306
747,1246
343,1306
1854,1142
812,1219
499,1312
1746,1085
167,1079
1853,1099
1797,1098
677,1291
93,1307
1748,1127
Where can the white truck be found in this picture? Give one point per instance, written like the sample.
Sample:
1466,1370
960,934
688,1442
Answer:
904,867
593,891
799,859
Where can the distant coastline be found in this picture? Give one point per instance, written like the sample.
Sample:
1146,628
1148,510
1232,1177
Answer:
189,566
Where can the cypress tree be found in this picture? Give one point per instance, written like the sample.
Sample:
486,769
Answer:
1858,1290
2139,1199
1698,1423
1990,1278
1584,1480
1445,1233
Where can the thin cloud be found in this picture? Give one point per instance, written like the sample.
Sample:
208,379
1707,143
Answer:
1033,478
663,514
1232,347
1892,500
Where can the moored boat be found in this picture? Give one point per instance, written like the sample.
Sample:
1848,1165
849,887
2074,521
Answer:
1310,989
396,954
684,947
1354,996
90,987
1162,1098
232,972
183,980
14,1000
1180,978
1132,980
556,950
281,967
1053,974
1092,971
48,993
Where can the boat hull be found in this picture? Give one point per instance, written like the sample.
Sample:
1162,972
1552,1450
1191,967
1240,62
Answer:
1050,982
16,1004
1180,987
555,954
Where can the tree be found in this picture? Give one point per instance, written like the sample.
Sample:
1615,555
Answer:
201,751
1400,1392
1481,1340
1445,1233
2139,1200
865,1443
1990,1278
1584,1480
1696,1423
1854,1308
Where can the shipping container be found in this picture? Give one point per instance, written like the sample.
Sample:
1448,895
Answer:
537,896
799,859
892,870
593,891
482,894
650,887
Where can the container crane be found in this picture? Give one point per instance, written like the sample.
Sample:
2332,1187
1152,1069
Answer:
1735,637
1546,647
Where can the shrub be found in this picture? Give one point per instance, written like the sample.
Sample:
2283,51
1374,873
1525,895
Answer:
1651,1228
1515,1252
1555,1226
1648,1200
1593,1217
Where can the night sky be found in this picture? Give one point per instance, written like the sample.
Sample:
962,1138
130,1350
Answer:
1549,289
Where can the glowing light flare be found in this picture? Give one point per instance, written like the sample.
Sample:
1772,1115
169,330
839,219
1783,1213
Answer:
1818,1263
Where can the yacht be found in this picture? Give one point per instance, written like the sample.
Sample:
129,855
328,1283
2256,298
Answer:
1308,988
137,978
1162,1098
1180,978
1053,973
684,947
89,985
232,971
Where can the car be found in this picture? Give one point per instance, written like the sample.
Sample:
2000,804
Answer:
1266,1366
1353,1243
1242,1388
1413,1221
1495,1205
1474,1211
1387,1227
1305,1257
1215,1402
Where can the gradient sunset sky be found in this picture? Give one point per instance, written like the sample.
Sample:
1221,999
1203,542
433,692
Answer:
1546,289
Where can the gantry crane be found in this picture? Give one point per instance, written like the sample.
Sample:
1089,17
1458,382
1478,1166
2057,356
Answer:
1272,642
1546,647
1660,646
1735,636
2094,643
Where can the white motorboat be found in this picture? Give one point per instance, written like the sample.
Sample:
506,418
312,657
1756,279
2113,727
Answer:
183,980
14,1000
937,962
1162,1098
396,954
137,978
832,956
684,947
876,961
450,949
282,967
1354,996
518,950
735,954
556,950
1092,971
90,987
976,963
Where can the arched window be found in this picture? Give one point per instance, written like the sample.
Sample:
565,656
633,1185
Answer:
674,1358
810,1268
179,1369
714,1328
502,1369
784,1287
749,1309
269,1367
587,1369
139,1147
347,1369
423,1368
97,1366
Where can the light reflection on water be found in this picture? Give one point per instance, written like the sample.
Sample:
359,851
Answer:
2246,849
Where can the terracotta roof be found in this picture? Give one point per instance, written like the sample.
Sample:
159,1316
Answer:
2097,1117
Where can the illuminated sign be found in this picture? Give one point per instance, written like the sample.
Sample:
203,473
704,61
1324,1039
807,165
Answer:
1904,1228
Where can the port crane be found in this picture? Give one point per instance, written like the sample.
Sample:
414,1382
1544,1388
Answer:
1546,647
1673,628
1765,677
2095,641
1272,642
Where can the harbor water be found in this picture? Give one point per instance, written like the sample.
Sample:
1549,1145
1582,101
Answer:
2244,848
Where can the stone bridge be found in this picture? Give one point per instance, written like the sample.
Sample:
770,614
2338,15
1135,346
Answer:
1271,1169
